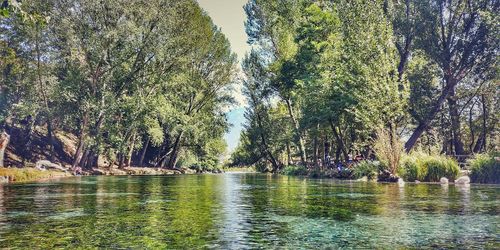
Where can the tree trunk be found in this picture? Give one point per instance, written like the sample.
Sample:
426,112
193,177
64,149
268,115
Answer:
455,123
481,141
316,153
173,157
471,128
4,141
131,150
424,124
298,135
326,151
28,142
50,138
144,150
288,154
340,141
81,142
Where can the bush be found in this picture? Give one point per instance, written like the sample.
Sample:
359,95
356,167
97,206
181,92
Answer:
295,170
369,169
409,169
388,148
440,166
423,167
485,168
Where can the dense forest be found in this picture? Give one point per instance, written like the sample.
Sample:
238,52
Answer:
132,82
325,79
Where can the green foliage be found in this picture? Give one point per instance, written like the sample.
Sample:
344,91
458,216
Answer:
295,170
30,174
369,169
424,167
485,168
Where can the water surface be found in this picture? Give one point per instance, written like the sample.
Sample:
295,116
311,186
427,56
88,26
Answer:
245,211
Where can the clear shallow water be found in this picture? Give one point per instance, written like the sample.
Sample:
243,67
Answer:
245,211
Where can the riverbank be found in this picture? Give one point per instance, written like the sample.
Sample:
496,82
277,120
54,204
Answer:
28,174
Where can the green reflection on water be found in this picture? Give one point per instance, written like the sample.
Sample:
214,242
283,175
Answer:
245,211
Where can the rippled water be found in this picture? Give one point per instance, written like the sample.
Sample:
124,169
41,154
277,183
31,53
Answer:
234,211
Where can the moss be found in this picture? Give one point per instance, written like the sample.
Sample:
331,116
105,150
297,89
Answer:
29,174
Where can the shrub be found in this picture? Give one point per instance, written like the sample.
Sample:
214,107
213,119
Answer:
485,168
345,173
409,169
388,148
369,169
295,170
424,167
440,166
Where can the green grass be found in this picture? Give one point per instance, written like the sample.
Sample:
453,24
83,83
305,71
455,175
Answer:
29,174
295,170
424,167
485,168
369,169
240,169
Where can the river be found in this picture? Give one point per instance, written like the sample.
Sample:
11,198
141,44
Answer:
245,211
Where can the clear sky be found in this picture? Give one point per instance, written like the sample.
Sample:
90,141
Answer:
230,17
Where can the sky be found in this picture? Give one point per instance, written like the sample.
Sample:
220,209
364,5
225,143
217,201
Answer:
230,17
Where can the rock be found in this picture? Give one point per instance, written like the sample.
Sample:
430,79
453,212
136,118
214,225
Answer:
401,182
44,165
4,179
463,180
443,180
417,181
364,179
386,176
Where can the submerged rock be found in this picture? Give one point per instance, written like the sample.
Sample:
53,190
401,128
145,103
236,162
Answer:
443,180
463,180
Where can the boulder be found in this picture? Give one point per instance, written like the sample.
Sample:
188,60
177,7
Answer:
443,180
386,176
47,165
401,182
463,180
417,181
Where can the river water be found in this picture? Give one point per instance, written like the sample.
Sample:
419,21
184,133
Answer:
245,211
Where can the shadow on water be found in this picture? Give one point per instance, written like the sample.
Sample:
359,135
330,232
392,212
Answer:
245,211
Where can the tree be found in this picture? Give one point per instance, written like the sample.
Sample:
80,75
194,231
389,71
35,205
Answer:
456,35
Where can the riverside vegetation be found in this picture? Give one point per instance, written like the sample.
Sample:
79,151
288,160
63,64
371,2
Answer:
330,80
114,84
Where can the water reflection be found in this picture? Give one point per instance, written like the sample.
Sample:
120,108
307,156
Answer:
245,211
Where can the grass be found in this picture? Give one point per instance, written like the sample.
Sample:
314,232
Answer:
29,174
295,170
240,169
430,168
369,169
485,168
